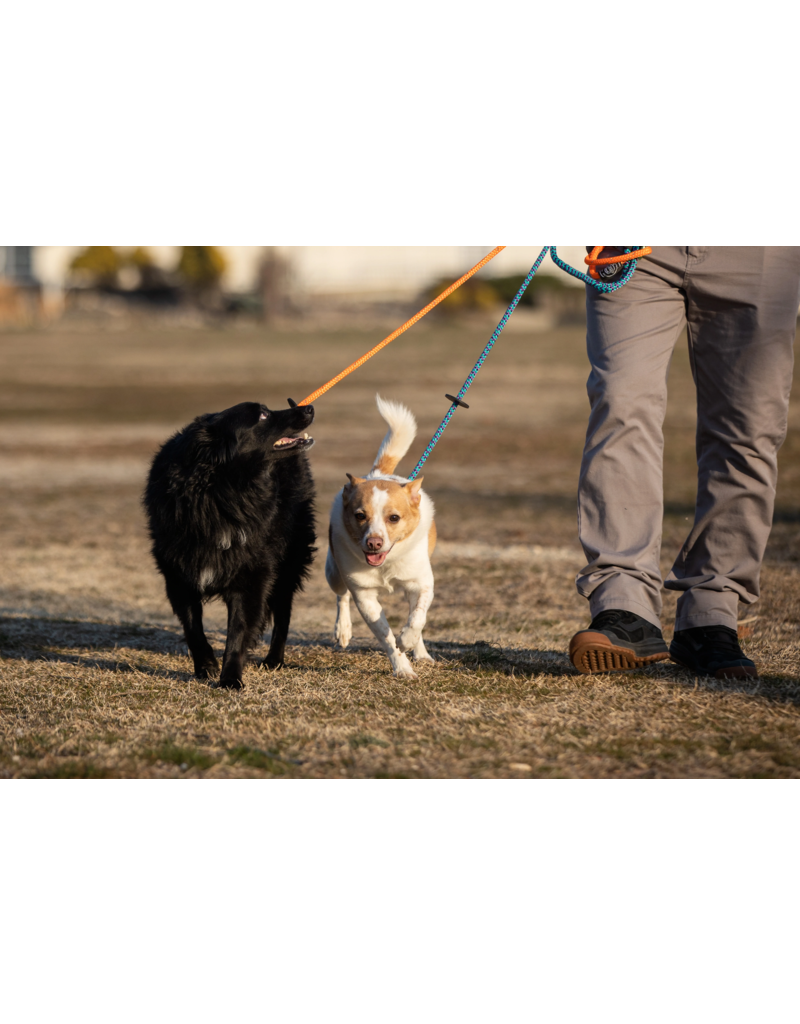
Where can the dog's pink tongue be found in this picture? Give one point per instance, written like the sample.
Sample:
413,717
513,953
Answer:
377,559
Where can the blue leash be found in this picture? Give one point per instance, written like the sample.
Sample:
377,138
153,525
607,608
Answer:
602,286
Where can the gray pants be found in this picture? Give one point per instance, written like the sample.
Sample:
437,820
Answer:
739,305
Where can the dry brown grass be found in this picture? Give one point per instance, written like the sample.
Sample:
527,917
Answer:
95,679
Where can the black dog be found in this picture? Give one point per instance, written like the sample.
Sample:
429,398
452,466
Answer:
230,506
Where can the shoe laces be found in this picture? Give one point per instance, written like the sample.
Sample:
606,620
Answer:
613,616
722,638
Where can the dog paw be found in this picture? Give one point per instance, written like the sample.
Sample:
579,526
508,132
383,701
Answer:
230,683
206,669
425,658
409,638
402,668
342,636
274,663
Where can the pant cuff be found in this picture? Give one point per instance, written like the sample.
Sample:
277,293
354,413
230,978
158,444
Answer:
689,620
599,604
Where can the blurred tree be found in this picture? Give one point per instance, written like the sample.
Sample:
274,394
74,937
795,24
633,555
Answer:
141,258
472,295
547,292
150,274
100,264
541,291
201,266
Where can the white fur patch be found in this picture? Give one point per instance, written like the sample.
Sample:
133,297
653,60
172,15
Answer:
402,431
377,525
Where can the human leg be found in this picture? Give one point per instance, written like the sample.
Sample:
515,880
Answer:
631,334
742,312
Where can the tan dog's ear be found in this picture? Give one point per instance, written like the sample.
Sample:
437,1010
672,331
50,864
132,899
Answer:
414,489
353,482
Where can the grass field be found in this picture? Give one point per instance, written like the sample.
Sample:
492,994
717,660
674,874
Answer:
95,679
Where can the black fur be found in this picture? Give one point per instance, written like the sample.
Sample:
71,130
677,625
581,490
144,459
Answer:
231,516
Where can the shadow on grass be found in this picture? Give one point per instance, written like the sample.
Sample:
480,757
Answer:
37,639
485,655
776,689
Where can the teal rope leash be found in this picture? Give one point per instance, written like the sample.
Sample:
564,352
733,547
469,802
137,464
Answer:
457,400
602,286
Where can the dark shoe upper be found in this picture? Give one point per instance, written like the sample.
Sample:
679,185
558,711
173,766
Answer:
711,651
626,629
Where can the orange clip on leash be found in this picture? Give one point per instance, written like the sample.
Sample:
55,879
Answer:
593,259
409,323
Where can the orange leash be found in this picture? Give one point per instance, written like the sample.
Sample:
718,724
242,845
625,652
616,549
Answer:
409,323
594,261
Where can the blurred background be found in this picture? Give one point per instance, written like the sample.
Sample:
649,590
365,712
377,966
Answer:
193,285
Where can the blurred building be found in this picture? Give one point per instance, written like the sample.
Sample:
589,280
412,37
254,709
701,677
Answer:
371,272
16,263
20,292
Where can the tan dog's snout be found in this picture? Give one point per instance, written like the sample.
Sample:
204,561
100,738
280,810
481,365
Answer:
374,542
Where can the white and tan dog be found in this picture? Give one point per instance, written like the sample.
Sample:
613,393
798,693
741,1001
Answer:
382,535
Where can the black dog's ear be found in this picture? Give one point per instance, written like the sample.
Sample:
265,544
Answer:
223,442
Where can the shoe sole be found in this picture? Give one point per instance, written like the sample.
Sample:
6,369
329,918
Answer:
594,652
734,672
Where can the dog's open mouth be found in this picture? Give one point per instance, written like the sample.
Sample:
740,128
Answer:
285,444
378,558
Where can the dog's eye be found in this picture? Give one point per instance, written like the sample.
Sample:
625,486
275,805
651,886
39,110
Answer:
263,416
394,518
361,516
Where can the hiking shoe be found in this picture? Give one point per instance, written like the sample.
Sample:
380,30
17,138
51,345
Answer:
711,651
617,640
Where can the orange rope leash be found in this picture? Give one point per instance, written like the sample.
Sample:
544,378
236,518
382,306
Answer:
409,323
594,261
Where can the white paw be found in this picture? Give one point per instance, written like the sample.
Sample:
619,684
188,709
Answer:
342,635
403,670
409,638
425,658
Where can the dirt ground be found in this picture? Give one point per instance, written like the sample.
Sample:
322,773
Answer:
95,680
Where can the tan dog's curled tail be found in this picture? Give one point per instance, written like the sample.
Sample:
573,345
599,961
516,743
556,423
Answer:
402,431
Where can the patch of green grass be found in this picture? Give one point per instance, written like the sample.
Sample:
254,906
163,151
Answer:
174,754
74,770
362,740
253,757
464,745
778,751
32,745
